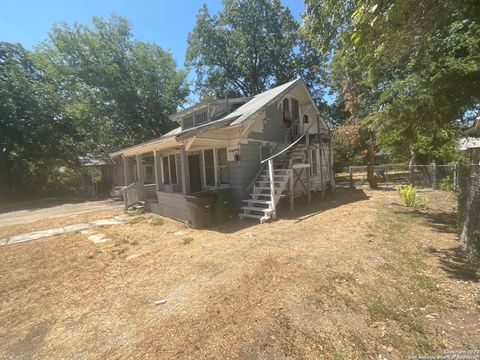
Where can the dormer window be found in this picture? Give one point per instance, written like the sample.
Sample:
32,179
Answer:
201,118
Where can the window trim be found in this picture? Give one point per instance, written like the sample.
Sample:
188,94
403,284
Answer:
198,114
168,171
222,166
205,169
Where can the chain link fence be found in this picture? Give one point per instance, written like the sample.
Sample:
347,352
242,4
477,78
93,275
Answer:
393,175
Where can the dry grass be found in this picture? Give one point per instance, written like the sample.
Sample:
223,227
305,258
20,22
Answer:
351,277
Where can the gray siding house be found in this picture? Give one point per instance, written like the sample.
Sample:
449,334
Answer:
260,149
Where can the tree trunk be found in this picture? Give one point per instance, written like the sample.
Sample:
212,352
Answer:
372,181
411,163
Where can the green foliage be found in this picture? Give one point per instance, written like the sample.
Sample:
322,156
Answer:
88,89
157,222
409,73
250,46
446,184
408,194
409,197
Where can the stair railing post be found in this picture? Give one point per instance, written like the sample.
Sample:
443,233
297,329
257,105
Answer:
290,180
272,188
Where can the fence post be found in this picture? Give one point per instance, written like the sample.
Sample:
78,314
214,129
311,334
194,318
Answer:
273,195
351,176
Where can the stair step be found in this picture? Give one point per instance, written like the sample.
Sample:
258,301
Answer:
266,188
253,216
265,202
268,182
254,208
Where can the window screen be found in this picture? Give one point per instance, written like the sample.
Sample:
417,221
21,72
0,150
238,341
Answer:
223,166
209,168
173,169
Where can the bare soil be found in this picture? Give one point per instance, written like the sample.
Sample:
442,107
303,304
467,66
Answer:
354,276
20,218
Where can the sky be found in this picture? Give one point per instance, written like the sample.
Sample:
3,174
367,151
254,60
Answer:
165,22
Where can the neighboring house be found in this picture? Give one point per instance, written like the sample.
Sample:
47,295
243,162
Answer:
470,144
471,147
259,149
98,173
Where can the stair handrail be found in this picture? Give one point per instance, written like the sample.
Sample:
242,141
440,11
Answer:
289,146
129,197
263,165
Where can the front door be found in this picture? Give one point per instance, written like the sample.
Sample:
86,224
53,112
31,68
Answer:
194,171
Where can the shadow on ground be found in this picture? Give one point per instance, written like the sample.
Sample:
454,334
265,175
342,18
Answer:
303,210
454,262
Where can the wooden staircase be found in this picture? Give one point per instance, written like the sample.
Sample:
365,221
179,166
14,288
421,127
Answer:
263,200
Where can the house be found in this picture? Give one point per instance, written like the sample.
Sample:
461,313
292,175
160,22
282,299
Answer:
258,149
470,144
97,172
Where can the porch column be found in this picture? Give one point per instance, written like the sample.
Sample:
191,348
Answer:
126,170
158,170
141,181
184,169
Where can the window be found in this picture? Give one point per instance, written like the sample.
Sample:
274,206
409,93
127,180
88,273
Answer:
166,173
305,119
201,118
224,178
187,122
149,175
169,170
295,109
173,169
209,168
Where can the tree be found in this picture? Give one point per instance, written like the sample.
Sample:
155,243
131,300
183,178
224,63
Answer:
414,66
119,90
249,47
33,125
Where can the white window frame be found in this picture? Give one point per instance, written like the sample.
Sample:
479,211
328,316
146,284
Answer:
169,170
197,115
220,166
215,181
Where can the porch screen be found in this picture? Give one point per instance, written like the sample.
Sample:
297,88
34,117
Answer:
209,168
166,173
223,166
173,169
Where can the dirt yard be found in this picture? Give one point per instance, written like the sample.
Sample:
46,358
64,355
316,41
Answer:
356,276
23,217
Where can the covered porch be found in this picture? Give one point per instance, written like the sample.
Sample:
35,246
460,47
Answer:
172,178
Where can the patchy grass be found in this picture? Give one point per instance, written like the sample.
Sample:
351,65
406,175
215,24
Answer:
187,240
157,222
357,276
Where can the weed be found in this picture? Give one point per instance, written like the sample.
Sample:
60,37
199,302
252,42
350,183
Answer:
157,222
136,220
408,193
187,241
446,184
136,212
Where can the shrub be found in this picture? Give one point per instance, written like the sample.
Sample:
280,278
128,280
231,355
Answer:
408,195
446,184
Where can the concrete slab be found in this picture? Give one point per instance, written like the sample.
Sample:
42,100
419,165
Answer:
98,238
77,227
82,227
106,222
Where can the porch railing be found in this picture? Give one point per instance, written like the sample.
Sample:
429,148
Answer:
130,195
